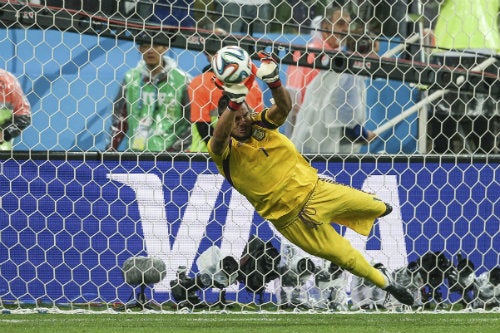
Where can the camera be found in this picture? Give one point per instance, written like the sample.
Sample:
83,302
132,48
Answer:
297,271
184,289
302,266
215,271
325,279
360,40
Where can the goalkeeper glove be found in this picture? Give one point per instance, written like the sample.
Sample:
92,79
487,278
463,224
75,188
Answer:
268,70
237,93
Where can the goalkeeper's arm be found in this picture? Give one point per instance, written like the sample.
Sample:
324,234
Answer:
269,73
281,107
229,106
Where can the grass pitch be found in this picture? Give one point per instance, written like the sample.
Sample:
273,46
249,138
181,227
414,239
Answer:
259,323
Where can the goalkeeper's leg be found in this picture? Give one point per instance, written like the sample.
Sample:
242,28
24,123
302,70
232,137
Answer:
323,241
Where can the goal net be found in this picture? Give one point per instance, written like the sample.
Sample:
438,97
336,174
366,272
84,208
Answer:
387,99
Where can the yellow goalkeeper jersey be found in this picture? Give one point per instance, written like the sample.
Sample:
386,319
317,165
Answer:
267,169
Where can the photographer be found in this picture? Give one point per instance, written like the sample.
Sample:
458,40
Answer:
361,40
332,282
334,124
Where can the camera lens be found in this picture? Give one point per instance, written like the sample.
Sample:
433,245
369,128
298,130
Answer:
305,265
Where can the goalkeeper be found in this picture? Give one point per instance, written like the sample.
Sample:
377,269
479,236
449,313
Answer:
15,110
264,166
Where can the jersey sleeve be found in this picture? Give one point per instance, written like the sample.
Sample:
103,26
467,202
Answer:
260,119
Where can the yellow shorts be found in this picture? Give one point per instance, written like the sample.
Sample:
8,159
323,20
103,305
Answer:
310,229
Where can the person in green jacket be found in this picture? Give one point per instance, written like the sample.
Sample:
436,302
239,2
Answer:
152,108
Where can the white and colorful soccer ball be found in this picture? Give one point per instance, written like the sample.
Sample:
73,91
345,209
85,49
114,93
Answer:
232,64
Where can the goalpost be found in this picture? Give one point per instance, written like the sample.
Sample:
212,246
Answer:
82,227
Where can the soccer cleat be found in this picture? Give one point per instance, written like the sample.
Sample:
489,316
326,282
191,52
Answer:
388,210
399,293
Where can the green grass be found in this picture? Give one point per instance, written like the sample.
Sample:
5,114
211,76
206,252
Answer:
255,322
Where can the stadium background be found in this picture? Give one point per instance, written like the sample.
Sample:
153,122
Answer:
72,79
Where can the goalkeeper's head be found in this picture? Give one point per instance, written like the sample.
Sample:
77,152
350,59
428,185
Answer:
242,129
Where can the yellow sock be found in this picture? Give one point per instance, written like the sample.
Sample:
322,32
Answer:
377,277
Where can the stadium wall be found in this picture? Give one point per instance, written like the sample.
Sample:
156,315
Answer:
68,221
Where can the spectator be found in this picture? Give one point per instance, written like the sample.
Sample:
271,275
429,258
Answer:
298,78
384,17
293,16
335,122
152,107
15,110
335,20
102,7
464,122
244,16
175,13
204,96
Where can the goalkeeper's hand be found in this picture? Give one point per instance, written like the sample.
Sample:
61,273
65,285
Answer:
268,71
237,93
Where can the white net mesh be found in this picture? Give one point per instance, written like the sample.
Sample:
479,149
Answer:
95,215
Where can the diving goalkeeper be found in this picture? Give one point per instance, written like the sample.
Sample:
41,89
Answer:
265,167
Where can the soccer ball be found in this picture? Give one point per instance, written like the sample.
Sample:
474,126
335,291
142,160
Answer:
232,64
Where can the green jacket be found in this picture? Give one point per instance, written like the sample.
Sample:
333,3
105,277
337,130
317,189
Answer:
153,112
5,116
468,24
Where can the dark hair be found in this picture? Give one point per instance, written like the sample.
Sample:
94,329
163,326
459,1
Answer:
329,11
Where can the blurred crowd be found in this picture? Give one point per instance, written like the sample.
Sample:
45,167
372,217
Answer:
462,34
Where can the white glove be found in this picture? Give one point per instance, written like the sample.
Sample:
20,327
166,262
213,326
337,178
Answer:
268,71
237,93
